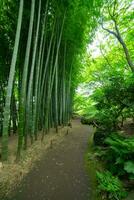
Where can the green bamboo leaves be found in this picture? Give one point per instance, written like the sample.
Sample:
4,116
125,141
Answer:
42,85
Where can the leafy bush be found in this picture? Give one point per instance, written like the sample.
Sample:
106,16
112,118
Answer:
129,168
100,136
110,186
114,101
119,154
86,120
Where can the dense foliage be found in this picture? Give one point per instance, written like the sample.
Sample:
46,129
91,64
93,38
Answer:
41,46
105,96
111,184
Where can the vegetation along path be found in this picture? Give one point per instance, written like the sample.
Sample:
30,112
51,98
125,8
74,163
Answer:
61,174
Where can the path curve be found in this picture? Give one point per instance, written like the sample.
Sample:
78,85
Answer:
60,174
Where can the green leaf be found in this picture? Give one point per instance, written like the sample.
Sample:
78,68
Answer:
129,167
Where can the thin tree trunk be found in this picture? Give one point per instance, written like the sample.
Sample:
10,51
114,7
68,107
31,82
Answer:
56,98
47,61
38,75
30,86
10,85
55,73
121,41
48,97
64,86
24,85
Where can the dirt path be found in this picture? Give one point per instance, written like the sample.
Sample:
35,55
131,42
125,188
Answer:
60,174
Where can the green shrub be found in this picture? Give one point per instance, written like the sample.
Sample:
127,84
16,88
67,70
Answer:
100,136
129,167
86,120
107,119
119,155
110,186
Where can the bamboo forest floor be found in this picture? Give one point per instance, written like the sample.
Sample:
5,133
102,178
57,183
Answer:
60,172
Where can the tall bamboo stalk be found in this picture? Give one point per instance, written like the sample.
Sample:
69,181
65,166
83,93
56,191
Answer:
22,109
29,116
39,73
10,84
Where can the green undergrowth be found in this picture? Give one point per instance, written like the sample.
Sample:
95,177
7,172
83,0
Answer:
110,187
105,185
92,165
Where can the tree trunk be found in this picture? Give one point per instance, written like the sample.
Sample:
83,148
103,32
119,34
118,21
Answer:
38,75
10,85
22,109
29,116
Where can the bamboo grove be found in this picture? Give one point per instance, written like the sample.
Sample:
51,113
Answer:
41,42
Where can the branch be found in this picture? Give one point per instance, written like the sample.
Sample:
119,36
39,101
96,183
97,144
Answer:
112,9
109,31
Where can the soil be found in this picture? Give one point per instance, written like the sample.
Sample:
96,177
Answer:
60,173
12,173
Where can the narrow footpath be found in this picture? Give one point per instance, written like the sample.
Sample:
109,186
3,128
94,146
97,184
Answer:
60,174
